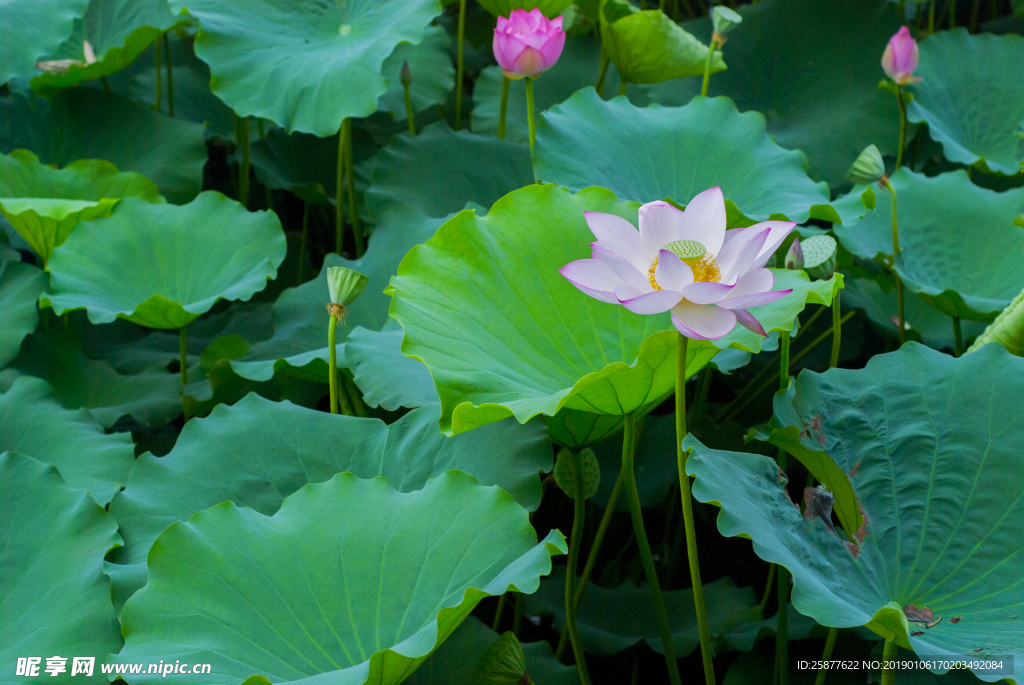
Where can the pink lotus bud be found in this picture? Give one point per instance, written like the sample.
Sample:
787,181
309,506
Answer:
900,58
527,43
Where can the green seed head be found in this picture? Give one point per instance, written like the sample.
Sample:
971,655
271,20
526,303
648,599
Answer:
868,167
819,256
565,473
502,663
690,251
344,285
724,19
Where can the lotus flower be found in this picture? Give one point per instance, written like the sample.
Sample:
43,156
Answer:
683,261
900,58
527,43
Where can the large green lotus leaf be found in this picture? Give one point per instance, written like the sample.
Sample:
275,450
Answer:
304,65
151,397
934,443
503,8
433,75
258,452
351,578
33,423
611,620
454,661
440,170
1007,329
33,29
934,327
44,204
20,288
386,377
970,99
503,333
162,266
87,123
819,93
298,162
960,251
299,344
650,153
118,31
56,598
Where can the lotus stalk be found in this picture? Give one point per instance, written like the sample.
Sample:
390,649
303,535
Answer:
344,286
830,643
723,20
782,575
182,355
899,60
505,86
576,538
405,75
242,141
460,38
901,313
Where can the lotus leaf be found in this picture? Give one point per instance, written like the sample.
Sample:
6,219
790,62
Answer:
933,443
440,170
433,75
85,123
258,452
305,65
406,569
34,424
56,598
1007,329
163,266
299,344
960,251
44,204
33,29
666,152
818,92
970,99
503,8
516,338
20,288
614,619
386,377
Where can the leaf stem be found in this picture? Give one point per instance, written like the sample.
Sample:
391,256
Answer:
505,84
602,72
458,70
339,221
931,17
633,497
687,504
781,575
903,126
408,108
496,623
242,139
355,398
888,655
332,363
958,336
768,584
707,67
170,79
531,124
595,547
622,86
159,82
183,355
837,331
895,253
579,513
305,237
830,644
350,172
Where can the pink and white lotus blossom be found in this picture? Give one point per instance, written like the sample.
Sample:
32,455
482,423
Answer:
900,58
683,261
527,43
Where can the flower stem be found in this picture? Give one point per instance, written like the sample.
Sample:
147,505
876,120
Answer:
358,408
183,356
888,655
768,584
903,125
305,237
458,70
350,172
159,83
687,504
931,17
837,332
958,336
602,72
339,221
242,139
505,84
707,67
579,512
170,79
595,547
332,363
498,611
633,497
408,109
529,112
782,576
830,644
895,252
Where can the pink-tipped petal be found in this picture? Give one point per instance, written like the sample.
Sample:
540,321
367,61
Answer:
752,300
889,61
593,277
622,268
739,255
659,223
646,303
552,49
754,281
672,273
620,235
779,231
704,220
556,23
702,321
747,320
706,293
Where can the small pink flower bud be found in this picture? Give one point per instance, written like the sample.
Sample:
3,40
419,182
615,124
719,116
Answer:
527,43
900,58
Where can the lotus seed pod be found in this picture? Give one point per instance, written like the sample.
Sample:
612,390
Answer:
405,75
503,663
819,254
344,285
795,256
724,19
565,473
868,167
690,251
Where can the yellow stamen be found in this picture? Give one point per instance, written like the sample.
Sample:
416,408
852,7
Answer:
650,274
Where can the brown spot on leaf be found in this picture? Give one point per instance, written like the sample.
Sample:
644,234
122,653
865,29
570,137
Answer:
979,649
853,471
854,549
915,633
819,503
922,615
956,619
863,531
934,623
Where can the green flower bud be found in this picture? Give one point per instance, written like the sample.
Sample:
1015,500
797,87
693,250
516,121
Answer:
819,253
724,19
503,663
868,168
565,473
405,75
